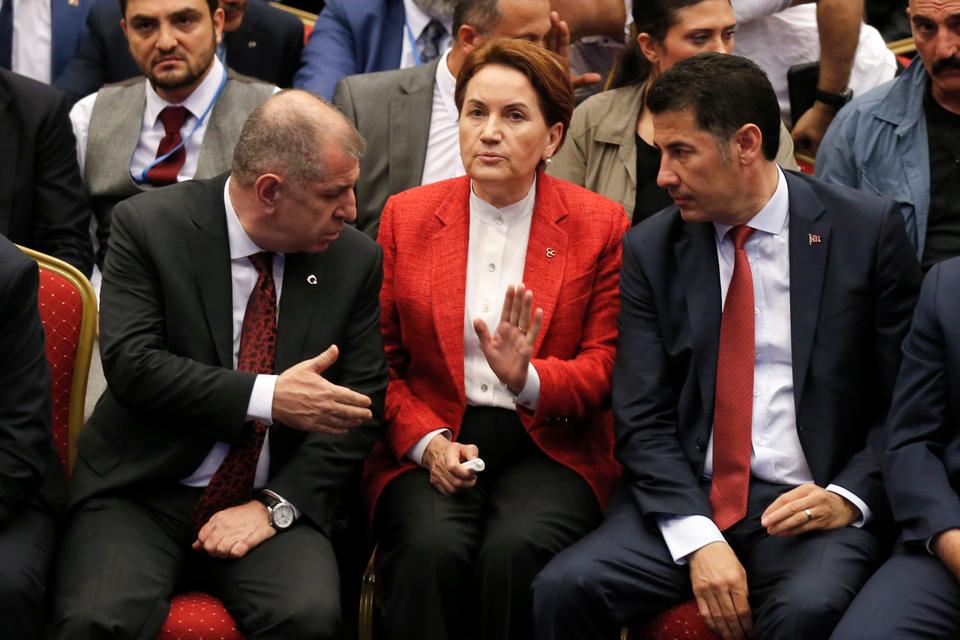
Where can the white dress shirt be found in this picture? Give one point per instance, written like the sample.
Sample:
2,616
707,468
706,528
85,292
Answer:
496,256
443,159
777,455
32,39
417,20
244,277
151,129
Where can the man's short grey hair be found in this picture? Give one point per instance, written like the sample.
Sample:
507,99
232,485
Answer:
288,135
482,15
439,9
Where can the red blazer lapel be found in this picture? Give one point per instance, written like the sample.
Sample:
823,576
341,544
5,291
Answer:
546,252
448,275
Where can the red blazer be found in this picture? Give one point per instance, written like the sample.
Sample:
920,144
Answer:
572,267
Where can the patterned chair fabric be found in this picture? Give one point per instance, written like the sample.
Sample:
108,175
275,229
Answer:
681,622
68,310
198,616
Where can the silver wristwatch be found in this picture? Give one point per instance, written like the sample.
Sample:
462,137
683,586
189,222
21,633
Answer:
281,512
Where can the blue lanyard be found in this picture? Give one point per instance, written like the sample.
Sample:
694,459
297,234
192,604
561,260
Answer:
196,125
413,43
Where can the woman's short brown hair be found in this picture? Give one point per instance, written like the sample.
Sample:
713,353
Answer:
545,71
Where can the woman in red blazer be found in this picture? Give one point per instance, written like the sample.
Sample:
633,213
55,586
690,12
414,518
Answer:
523,384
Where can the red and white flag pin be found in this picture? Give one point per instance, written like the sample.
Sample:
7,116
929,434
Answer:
814,238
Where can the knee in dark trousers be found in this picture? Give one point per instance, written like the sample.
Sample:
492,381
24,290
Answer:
300,616
804,607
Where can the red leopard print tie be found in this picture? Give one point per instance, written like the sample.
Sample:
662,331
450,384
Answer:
232,484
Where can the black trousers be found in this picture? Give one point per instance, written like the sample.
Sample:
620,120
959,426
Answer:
912,595
623,572
461,566
26,550
123,557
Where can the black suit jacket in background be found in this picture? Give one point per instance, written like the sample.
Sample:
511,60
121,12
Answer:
43,204
853,282
166,340
266,46
922,461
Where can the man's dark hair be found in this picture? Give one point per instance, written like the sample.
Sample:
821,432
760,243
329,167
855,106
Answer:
724,92
482,15
211,4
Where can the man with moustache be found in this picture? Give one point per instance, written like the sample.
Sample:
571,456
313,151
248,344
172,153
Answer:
902,139
259,41
240,333
181,122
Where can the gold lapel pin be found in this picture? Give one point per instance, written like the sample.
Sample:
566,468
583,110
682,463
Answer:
311,279
551,252
252,44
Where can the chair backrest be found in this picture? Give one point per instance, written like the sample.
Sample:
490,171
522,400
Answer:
68,310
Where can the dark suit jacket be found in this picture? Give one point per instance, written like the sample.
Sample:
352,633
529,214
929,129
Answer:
266,46
350,37
396,137
43,204
572,265
166,342
851,295
922,461
67,29
29,470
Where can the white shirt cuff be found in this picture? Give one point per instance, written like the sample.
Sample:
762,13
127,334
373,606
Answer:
857,502
415,453
529,396
686,534
261,399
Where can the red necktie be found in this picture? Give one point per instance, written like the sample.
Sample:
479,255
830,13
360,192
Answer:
165,172
232,484
733,405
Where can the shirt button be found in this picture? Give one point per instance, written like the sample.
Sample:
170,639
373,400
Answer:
491,267
499,220
483,388
485,308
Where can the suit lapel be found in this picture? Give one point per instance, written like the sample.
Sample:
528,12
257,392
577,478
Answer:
9,151
303,284
448,273
243,46
546,252
696,252
210,254
409,128
809,249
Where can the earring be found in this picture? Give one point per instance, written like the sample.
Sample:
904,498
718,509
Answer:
548,160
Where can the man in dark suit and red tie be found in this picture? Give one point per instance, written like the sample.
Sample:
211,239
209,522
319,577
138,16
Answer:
916,594
760,327
241,344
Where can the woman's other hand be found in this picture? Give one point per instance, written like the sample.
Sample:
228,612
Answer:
442,458
509,349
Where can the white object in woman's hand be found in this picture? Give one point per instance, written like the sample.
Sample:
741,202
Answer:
509,349
442,458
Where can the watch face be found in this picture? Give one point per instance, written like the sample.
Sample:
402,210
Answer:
282,516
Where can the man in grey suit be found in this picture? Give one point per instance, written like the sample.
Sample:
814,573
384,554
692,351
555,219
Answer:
179,123
240,331
418,141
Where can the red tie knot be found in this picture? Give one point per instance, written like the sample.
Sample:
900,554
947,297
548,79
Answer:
173,119
739,235
263,263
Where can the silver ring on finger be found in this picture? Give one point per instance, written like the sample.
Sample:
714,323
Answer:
809,514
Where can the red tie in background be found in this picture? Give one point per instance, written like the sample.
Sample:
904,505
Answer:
733,405
232,484
164,173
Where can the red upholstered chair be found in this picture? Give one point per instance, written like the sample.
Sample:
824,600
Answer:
68,310
198,616
681,622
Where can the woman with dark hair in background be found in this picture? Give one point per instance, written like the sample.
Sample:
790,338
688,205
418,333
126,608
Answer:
611,148
525,386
